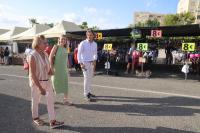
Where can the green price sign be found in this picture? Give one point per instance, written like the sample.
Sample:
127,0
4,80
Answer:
188,47
142,46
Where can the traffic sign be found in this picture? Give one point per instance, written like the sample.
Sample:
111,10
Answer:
188,47
142,46
107,46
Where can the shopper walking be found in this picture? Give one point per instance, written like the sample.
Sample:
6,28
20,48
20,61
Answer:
87,56
40,83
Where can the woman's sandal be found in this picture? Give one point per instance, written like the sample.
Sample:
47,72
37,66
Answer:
38,121
55,124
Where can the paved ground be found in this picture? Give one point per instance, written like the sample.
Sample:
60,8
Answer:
125,105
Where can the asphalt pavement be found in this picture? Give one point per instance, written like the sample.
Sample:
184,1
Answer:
125,104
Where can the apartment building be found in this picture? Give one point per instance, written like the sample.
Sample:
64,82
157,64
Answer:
192,6
142,17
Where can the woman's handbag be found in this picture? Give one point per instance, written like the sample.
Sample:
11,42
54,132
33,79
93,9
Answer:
26,65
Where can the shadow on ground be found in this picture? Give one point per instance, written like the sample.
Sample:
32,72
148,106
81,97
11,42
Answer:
168,106
123,130
15,115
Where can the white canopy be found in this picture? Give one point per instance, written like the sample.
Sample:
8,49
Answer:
30,33
8,35
61,29
15,47
2,31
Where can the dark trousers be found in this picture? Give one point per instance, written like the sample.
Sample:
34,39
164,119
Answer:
169,59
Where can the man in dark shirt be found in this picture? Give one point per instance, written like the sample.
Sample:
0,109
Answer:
6,56
168,52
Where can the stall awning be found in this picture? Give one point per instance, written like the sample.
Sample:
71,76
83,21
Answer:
30,33
167,31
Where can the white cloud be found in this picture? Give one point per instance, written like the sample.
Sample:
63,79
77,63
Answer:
97,12
100,17
150,3
93,16
73,17
90,10
9,17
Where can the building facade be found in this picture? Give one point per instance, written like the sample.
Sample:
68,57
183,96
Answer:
142,17
192,6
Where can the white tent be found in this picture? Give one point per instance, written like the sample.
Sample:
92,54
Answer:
61,29
8,35
2,31
30,33
15,47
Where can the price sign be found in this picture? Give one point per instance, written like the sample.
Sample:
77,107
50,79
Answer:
99,36
107,47
142,46
156,33
188,47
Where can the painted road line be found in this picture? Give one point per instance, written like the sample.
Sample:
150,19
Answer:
119,88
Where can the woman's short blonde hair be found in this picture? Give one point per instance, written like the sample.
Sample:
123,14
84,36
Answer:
37,41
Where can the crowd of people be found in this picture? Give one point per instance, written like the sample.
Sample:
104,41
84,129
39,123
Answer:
174,54
121,55
138,59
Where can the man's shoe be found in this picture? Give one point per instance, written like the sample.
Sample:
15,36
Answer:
91,95
90,98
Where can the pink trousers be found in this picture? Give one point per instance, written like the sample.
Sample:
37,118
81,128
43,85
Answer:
35,98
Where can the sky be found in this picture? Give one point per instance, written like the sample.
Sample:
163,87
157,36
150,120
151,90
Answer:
105,14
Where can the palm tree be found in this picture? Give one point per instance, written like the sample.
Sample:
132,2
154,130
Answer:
84,25
33,21
49,24
95,28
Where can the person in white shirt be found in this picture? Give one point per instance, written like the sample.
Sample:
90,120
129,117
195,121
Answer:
87,56
27,52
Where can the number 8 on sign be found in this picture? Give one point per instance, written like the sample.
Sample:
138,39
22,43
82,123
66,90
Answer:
99,36
140,47
185,48
107,47
154,33
188,47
